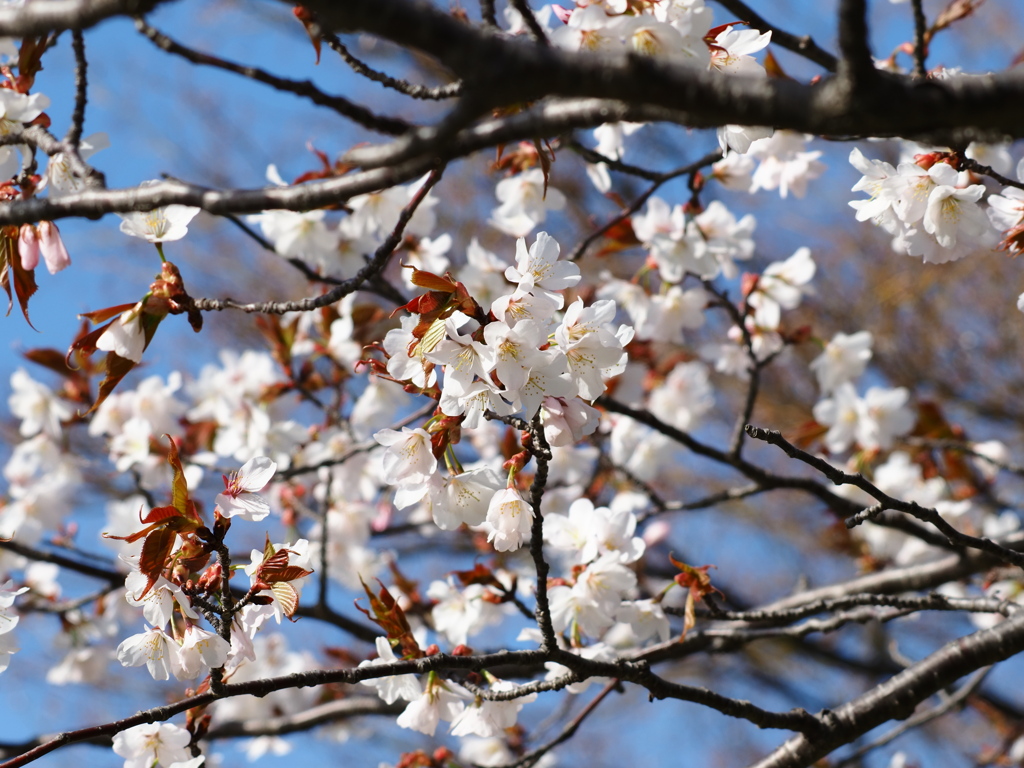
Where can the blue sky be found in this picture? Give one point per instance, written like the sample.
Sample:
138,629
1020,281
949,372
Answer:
165,116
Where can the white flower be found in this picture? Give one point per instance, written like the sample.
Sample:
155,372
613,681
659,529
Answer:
200,647
153,744
156,650
458,614
125,337
509,516
302,235
844,359
732,49
524,203
646,619
784,164
408,459
391,688
159,225
490,718
240,490
464,498
39,409
952,212
440,701
539,267
60,179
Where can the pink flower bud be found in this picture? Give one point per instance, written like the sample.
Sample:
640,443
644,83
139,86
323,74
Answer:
52,247
28,247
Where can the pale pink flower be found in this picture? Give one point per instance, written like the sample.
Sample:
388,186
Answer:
52,247
567,421
240,497
28,246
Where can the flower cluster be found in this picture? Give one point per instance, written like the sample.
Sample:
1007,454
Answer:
519,359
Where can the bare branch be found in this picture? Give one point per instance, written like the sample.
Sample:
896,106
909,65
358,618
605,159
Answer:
912,508
362,68
389,125
375,267
898,697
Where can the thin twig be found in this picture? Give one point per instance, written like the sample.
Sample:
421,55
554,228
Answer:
388,125
838,477
409,89
74,134
920,39
531,21
375,267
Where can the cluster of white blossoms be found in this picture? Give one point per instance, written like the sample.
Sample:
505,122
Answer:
873,421
524,360
338,248
518,343
931,209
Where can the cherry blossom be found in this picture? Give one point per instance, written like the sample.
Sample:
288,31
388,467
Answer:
391,688
732,51
441,700
785,164
491,718
159,225
844,359
240,498
155,649
125,337
525,200
539,268
153,745
201,648
509,517
408,459
38,407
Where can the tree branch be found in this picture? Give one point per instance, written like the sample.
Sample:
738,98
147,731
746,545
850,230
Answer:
896,698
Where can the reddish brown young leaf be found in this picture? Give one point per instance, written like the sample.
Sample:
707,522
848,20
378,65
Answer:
161,515
288,573
13,277
155,552
179,486
102,315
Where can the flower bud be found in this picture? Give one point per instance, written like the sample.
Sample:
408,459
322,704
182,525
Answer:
28,247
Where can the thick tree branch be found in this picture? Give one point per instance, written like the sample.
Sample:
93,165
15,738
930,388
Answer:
509,71
35,18
896,698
